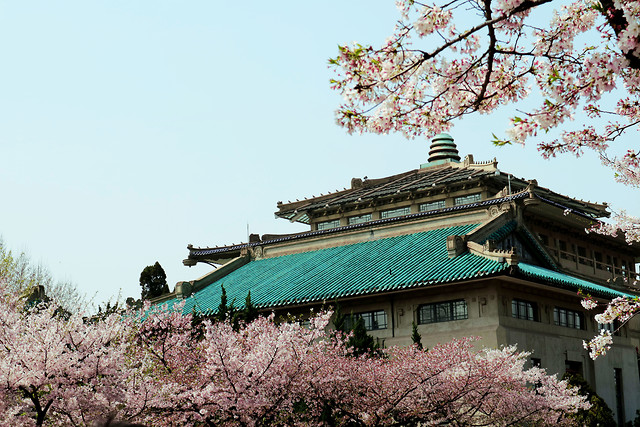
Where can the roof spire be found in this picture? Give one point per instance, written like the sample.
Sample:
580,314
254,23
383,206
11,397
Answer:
443,149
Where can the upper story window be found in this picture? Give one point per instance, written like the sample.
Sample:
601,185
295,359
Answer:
568,318
326,225
469,198
613,328
525,310
359,219
445,311
373,320
431,206
544,239
392,213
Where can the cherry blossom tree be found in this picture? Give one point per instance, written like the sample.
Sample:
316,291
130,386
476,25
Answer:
57,367
453,58
616,313
281,373
449,59
160,367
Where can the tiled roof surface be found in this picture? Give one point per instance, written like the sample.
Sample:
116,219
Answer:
410,181
414,180
421,179
394,263
568,282
369,267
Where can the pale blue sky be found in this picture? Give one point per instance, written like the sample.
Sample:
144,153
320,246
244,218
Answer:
129,129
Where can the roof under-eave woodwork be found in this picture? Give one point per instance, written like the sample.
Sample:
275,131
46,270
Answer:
365,268
423,180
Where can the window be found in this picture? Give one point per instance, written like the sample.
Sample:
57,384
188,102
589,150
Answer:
568,318
525,310
582,256
431,206
445,311
326,225
373,320
544,239
392,213
470,198
611,327
359,219
598,256
573,367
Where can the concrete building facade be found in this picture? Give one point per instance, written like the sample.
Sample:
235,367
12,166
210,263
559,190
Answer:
456,246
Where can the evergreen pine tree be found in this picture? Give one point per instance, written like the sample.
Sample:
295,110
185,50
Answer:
415,335
223,308
250,311
153,281
360,340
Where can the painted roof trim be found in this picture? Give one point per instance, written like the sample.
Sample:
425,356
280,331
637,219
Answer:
210,251
568,282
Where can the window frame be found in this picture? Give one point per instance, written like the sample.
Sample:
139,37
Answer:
325,225
395,212
374,320
442,311
517,307
568,318
432,206
359,219
467,199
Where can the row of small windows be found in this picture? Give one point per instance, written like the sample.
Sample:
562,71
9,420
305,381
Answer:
527,310
359,219
326,225
447,311
406,210
431,206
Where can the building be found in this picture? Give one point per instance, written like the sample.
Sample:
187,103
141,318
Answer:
458,247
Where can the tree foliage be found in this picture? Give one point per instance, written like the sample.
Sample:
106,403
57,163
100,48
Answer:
353,328
158,367
20,275
448,59
416,338
153,281
599,414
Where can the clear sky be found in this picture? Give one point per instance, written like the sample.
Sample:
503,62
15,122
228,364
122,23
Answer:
129,129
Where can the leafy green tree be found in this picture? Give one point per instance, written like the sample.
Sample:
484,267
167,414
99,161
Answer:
153,281
599,414
20,275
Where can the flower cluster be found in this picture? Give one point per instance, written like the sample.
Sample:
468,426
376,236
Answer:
163,368
599,345
429,72
618,311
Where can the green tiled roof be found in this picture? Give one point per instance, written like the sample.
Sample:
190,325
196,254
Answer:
369,267
502,232
568,282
